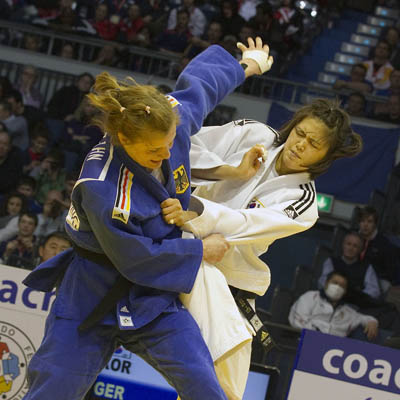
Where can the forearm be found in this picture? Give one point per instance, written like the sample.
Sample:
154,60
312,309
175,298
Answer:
222,172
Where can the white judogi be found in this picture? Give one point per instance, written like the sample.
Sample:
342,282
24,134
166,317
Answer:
251,215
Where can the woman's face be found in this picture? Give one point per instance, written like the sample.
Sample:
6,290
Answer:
14,206
305,146
150,152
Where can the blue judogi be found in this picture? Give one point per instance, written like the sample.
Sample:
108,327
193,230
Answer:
116,211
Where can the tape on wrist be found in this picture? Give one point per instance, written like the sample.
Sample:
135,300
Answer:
260,57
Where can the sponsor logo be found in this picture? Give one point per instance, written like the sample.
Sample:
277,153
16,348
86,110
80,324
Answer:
172,100
291,212
16,350
181,180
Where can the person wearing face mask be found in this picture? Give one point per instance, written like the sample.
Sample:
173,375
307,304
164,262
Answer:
325,311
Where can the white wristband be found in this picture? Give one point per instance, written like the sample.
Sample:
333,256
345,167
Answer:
260,57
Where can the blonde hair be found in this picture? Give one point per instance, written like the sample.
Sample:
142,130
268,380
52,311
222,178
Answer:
124,108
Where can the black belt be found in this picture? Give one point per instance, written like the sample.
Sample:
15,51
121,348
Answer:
241,298
119,290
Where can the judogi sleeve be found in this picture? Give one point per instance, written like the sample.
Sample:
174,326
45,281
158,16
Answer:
170,264
248,226
205,81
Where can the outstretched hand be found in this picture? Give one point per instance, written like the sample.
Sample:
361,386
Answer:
256,56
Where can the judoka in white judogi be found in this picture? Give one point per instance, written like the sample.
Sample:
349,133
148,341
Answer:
251,215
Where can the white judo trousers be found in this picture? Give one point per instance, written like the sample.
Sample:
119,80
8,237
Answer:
251,215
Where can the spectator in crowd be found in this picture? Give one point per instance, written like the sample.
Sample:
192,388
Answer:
378,250
356,82
80,134
392,37
31,95
110,56
52,219
229,18
363,289
67,21
263,21
19,251
360,274
16,126
291,23
10,207
67,99
356,105
67,51
36,152
104,27
132,25
70,180
197,20
50,174
175,41
32,115
27,186
379,67
245,32
212,36
394,87
325,311
32,42
247,9
389,111
10,163
53,244
5,87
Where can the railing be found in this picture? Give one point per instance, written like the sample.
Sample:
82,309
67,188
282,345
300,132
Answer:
149,62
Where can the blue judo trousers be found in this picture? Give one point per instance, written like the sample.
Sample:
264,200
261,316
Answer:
115,211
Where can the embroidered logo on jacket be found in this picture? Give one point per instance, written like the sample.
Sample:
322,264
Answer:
304,203
255,203
122,206
73,219
181,180
172,100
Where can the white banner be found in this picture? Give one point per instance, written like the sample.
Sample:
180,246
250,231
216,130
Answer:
23,313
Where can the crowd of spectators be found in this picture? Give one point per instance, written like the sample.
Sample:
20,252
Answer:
36,178
179,27
358,291
379,76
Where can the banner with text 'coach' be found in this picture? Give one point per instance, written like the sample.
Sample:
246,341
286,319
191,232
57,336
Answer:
331,367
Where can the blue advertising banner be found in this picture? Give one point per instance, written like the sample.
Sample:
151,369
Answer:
329,367
128,377
353,179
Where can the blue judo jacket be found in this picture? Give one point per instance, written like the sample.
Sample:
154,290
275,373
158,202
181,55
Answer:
116,211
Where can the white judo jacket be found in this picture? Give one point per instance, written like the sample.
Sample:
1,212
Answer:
250,214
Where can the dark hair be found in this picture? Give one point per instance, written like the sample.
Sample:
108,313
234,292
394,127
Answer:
337,273
58,156
387,44
29,215
343,141
4,203
6,106
89,75
359,65
58,235
3,127
129,108
16,95
27,180
355,233
5,85
368,211
359,95
40,130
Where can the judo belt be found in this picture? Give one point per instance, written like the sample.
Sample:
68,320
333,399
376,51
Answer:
241,298
119,290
